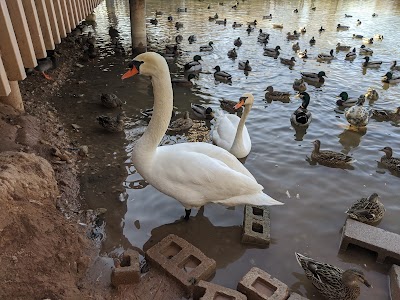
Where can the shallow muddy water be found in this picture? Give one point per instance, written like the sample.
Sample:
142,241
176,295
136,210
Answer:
315,196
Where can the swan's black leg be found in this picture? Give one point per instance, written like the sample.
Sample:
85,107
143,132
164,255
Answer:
187,214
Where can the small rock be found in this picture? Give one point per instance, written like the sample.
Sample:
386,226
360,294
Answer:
75,126
83,150
79,65
14,259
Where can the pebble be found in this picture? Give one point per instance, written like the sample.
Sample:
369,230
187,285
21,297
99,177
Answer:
83,150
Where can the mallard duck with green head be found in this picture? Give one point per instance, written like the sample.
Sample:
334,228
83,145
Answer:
371,64
357,115
208,47
271,94
221,75
332,282
302,116
351,55
325,56
194,65
288,61
202,112
183,81
390,162
386,115
340,47
329,158
366,51
367,210
244,65
345,100
273,52
389,78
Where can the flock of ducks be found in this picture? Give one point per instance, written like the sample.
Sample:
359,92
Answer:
231,134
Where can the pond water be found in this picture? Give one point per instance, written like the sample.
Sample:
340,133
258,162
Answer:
315,196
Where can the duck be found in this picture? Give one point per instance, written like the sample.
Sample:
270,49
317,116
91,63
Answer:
368,210
301,116
154,21
332,282
171,48
178,25
368,40
194,65
290,62
394,66
182,170
389,78
172,53
236,25
342,27
114,33
293,36
89,52
357,36
277,26
232,53
345,100
230,132
302,54
296,11
386,115
148,112
91,18
202,112
357,115
326,57
267,17
312,41
249,29
244,65
170,18
296,46
378,37
303,30
329,158
274,52
181,124
221,22
358,22
91,39
181,9
351,55
253,23
228,105
371,64
208,47
366,51
340,47
159,13
347,16
390,162
314,8
374,15
371,94
262,35
112,124
276,95
183,81
314,77
238,42
321,29
299,85
221,75
213,18
45,64
192,38
110,100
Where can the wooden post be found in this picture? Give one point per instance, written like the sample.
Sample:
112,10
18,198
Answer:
70,14
64,10
138,26
5,88
34,28
45,24
14,99
60,18
21,30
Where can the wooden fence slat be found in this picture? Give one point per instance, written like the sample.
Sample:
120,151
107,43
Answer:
79,8
60,18
21,30
64,10
53,21
9,48
5,88
34,28
45,24
70,14
75,13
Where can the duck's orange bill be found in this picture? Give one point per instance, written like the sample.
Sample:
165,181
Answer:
130,73
239,104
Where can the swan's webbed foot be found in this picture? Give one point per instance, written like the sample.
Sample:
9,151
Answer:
187,214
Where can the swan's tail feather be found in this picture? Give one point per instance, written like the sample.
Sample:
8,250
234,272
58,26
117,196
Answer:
259,199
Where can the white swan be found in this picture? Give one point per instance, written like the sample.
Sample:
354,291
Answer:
230,132
192,173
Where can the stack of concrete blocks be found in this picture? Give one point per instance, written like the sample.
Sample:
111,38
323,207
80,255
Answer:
256,225
384,243
210,291
182,261
259,285
129,271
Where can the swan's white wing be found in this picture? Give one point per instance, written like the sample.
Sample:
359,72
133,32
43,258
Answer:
198,173
225,130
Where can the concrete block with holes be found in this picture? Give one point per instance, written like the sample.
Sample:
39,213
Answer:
129,271
394,278
294,296
181,260
256,225
384,243
211,291
259,285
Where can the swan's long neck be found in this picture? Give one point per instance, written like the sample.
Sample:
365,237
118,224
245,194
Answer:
238,141
163,104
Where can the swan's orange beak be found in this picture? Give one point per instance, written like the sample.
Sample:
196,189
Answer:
240,103
130,73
